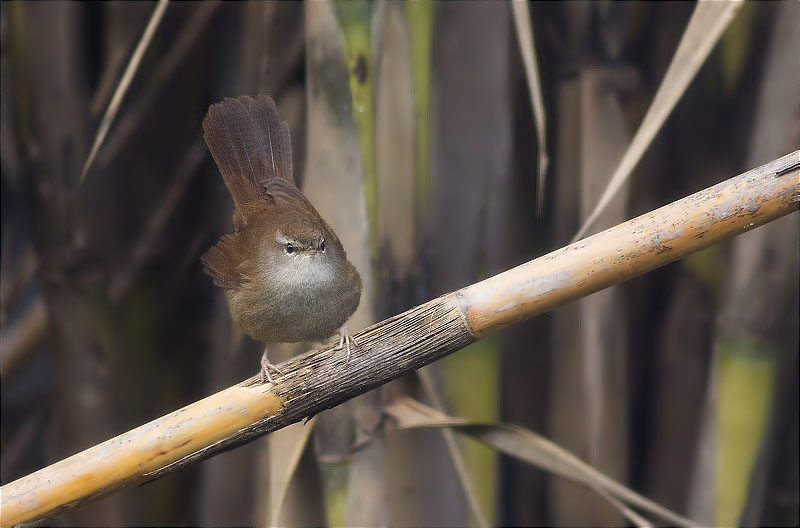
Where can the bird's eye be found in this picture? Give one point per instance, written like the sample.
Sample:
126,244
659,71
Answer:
322,245
289,248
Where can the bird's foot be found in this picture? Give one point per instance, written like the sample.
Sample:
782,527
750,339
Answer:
345,341
266,365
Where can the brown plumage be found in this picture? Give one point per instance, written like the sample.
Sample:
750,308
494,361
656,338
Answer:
284,270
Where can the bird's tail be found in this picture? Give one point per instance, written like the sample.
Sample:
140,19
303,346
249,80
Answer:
250,144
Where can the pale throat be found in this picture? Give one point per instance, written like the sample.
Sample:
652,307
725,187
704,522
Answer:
306,268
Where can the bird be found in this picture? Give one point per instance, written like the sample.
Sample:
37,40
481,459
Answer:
285,273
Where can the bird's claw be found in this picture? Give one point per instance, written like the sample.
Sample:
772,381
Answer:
345,341
265,366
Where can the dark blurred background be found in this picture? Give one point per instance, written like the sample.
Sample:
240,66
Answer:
682,383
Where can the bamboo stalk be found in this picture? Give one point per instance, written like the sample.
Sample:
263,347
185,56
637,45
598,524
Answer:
634,247
321,379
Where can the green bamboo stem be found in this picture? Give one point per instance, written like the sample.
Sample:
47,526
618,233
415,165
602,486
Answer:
420,16
354,19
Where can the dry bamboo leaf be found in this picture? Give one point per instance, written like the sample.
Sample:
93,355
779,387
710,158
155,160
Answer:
14,279
285,451
17,342
708,22
529,447
129,122
629,514
455,453
367,495
124,83
122,23
527,48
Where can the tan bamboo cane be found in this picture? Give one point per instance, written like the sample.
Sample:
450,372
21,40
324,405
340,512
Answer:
323,378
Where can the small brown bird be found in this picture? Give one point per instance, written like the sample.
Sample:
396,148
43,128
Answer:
285,273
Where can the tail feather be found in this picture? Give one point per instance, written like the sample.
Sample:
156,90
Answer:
250,145
276,142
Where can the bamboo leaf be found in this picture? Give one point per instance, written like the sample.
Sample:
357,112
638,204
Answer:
124,83
528,447
527,48
18,341
708,22
464,478
285,451
131,120
471,385
629,513
367,497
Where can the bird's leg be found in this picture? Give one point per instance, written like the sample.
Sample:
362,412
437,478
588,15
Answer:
266,365
345,340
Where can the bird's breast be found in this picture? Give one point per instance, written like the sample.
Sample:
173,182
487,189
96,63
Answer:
305,300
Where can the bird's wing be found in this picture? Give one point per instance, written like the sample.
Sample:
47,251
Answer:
228,262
